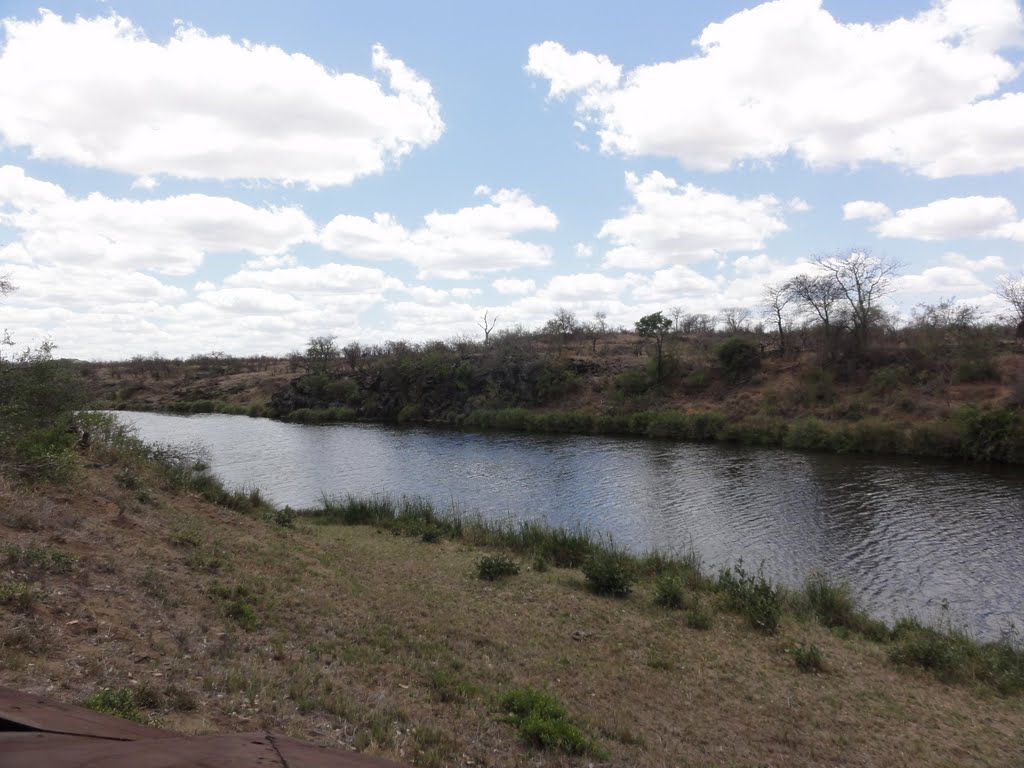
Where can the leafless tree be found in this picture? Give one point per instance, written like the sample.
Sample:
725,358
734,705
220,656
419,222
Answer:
774,300
487,327
601,321
676,313
736,318
863,280
1011,290
818,296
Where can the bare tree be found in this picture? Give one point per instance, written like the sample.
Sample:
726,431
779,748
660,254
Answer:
862,280
676,313
774,299
736,318
6,286
1011,290
699,323
818,296
601,321
487,327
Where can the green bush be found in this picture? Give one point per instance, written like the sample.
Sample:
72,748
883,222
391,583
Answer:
544,723
753,596
669,592
494,567
955,657
39,397
740,358
410,414
610,572
119,702
284,517
807,657
698,617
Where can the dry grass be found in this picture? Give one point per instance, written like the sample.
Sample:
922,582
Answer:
390,645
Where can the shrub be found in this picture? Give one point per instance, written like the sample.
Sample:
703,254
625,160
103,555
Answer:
955,657
698,617
410,413
740,358
807,657
668,591
38,400
285,517
494,567
753,596
609,572
119,702
544,723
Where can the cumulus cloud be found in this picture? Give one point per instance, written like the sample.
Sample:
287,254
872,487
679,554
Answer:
568,72
170,235
673,224
941,281
954,259
338,282
865,209
947,219
459,245
788,77
99,93
510,287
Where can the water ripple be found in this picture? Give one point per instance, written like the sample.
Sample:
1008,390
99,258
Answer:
938,540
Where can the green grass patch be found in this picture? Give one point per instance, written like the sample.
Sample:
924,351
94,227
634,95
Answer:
544,723
119,702
494,567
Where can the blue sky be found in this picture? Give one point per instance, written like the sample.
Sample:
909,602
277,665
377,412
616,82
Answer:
187,177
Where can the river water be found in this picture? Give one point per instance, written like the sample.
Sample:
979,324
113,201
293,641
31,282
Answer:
941,541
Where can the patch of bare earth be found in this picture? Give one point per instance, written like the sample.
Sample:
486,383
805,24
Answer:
357,639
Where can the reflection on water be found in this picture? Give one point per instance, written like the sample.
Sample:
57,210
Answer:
909,536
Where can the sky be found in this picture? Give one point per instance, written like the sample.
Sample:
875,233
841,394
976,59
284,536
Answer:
180,178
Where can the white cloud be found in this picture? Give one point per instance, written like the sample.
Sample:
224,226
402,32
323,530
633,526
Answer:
786,76
470,241
510,287
954,259
673,285
583,251
940,281
79,286
798,205
98,93
865,209
330,283
272,261
669,224
948,219
170,235
584,287
570,72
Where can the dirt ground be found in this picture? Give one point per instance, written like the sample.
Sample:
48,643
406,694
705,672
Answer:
358,639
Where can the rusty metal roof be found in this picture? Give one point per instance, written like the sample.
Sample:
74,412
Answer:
38,731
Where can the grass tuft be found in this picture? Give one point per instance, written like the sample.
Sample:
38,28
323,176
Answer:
544,723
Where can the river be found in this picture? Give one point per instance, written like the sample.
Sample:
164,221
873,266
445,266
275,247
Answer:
940,541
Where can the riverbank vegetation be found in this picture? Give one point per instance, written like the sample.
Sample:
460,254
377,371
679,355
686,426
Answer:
818,373
138,585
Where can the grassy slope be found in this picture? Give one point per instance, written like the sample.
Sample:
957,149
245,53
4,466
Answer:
392,645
